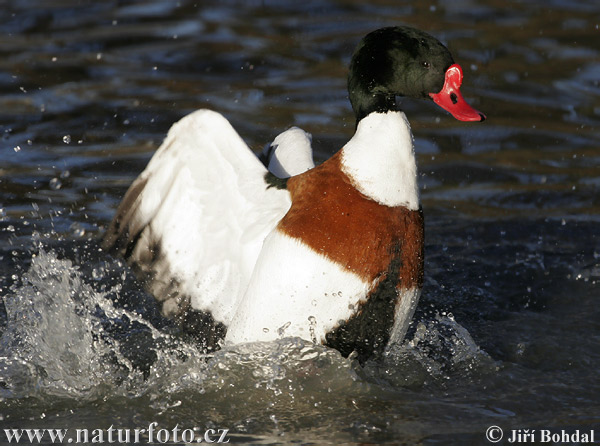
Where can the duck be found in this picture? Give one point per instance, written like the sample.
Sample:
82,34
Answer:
241,250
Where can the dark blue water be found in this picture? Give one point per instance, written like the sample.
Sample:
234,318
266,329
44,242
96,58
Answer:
507,330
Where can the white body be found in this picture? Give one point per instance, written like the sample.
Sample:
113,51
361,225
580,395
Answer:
294,291
206,203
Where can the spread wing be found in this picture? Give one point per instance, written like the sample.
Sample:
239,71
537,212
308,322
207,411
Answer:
193,223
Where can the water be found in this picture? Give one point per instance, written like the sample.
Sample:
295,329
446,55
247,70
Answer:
507,330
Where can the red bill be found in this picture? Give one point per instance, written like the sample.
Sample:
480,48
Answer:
451,100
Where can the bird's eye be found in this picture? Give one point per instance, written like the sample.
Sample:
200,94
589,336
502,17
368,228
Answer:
425,64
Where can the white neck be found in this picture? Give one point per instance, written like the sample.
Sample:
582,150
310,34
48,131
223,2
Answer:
380,160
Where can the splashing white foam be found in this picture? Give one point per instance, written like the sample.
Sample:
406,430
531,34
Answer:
438,350
58,340
65,338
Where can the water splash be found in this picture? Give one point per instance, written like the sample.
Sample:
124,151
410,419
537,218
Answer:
64,338
67,337
439,350
50,343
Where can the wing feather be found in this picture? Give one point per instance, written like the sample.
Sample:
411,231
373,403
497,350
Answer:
193,223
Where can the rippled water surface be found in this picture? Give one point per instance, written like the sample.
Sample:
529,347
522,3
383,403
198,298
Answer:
507,330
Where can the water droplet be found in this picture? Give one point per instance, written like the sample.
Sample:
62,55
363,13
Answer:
313,323
17,149
314,302
265,330
67,139
281,330
77,230
65,174
55,184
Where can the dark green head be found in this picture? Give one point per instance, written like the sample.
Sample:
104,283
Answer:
401,61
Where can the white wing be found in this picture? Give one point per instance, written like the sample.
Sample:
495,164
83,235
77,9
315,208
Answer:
289,154
194,221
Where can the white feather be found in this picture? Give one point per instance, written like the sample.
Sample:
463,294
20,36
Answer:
380,160
405,309
294,291
206,205
290,153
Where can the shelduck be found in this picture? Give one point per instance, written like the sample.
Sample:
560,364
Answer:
332,254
